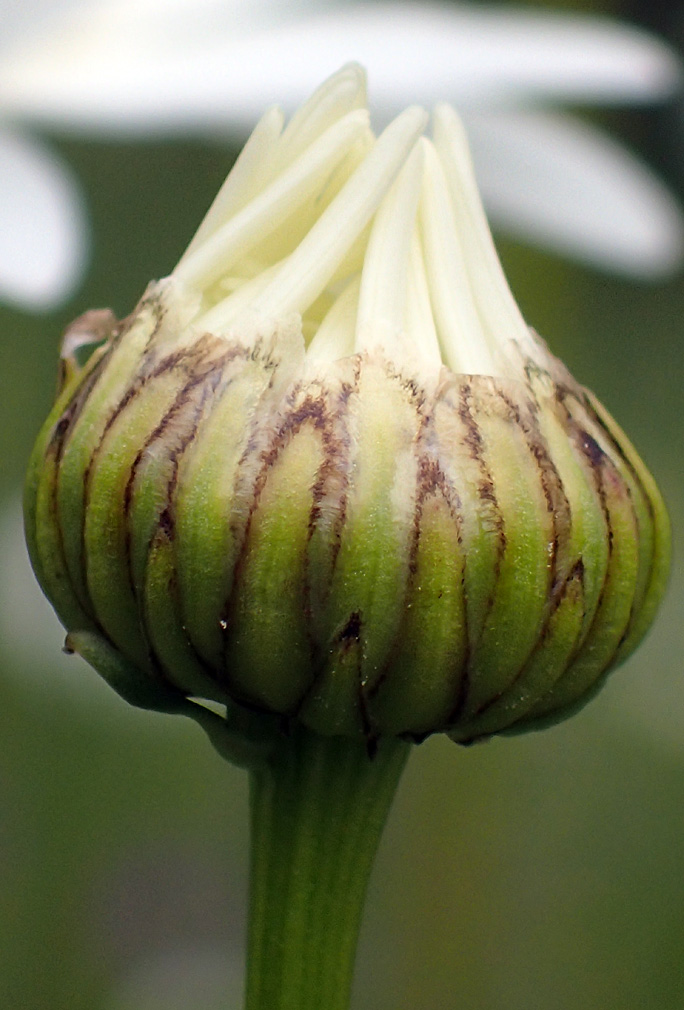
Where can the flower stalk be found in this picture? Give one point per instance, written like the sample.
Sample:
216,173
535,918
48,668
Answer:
318,807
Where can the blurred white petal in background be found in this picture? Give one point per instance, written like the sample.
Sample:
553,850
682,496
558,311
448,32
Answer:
556,182
135,68
141,65
43,225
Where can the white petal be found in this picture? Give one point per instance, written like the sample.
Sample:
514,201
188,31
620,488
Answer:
201,70
562,184
21,22
43,229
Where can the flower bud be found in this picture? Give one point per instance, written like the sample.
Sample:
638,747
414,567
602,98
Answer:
326,471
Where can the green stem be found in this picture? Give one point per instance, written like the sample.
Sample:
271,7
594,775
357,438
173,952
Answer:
318,809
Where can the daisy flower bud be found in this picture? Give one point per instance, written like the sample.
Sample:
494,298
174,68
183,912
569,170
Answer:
326,471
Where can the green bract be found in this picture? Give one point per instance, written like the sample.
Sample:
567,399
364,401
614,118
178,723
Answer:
326,471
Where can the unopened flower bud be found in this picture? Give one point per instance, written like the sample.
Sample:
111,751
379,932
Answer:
326,471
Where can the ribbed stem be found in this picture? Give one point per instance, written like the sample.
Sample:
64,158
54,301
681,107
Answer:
318,809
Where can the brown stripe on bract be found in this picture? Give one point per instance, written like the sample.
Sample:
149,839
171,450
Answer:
559,509
67,422
597,411
237,354
206,363
139,384
555,495
62,431
331,487
417,397
82,395
474,443
337,464
145,369
244,490
597,460
199,365
620,453
576,574
431,481
205,370
204,360
329,409
149,368
323,406
556,503
164,533
265,448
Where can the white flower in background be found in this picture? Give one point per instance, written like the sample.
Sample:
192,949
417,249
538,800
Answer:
141,67
43,226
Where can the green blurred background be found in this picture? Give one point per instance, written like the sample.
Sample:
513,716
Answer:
538,872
